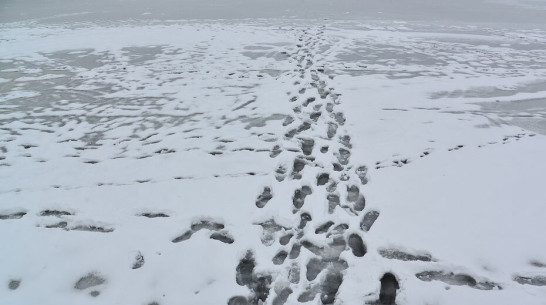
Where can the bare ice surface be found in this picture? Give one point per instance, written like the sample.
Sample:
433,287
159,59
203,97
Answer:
272,152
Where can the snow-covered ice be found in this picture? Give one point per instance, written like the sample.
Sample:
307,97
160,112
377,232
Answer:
272,161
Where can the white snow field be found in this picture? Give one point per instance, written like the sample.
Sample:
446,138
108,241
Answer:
289,159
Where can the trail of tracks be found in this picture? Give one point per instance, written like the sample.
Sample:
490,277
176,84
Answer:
311,254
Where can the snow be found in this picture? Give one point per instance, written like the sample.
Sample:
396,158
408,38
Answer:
141,161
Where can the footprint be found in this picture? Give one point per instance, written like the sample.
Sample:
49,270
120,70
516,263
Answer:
360,204
285,239
362,172
224,237
304,219
404,256
139,261
197,226
279,258
92,228
206,224
458,279
153,215
298,166
14,284
340,229
290,134
308,101
304,126
299,196
307,146
337,167
330,287
333,201
275,151
282,296
309,294
323,228
264,197
55,213
280,173
245,269
389,286
312,247
294,273
269,229
368,220
343,156
59,225
324,149
332,129
537,280
187,235
295,251
315,116
352,193
13,215
238,300
287,121
314,267
346,141
340,118
357,245
90,280
322,179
